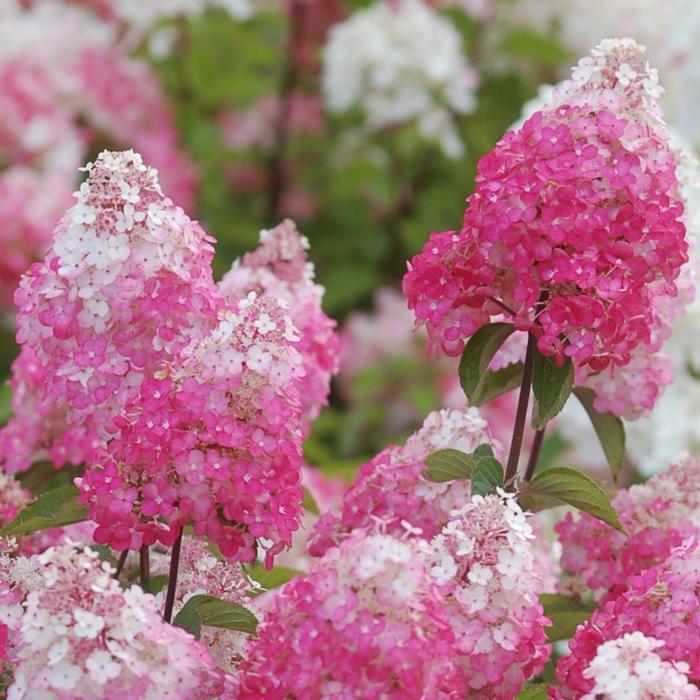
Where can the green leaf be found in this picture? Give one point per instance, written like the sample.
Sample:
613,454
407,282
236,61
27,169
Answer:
533,691
608,427
474,365
43,477
156,584
207,610
484,450
272,578
51,509
449,464
500,381
565,613
487,475
562,485
309,503
551,386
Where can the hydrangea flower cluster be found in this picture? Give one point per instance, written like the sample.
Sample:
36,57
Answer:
400,62
125,286
213,439
187,406
367,622
661,603
575,230
484,562
67,84
77,634
391,495
280,268
201,573
38,430
659,515
629,668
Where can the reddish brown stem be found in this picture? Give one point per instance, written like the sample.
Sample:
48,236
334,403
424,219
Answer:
534,454
121,562
521,411
172,579
145,566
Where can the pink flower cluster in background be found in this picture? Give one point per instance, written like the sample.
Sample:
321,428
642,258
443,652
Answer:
658,516
67,86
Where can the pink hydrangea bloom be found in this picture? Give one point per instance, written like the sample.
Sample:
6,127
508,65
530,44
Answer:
580,208
80,636
367,622
124,287
391,495
38,542
628,668
484,562
661,603
214,439
280,268
658,515
38,430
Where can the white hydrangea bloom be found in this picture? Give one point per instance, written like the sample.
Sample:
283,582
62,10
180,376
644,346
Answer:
401,62
629,668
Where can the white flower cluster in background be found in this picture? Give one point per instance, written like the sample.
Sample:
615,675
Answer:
401,62
669,29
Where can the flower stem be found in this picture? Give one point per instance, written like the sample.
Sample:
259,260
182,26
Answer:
534,454
521,412
172,578
144,560
121,562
